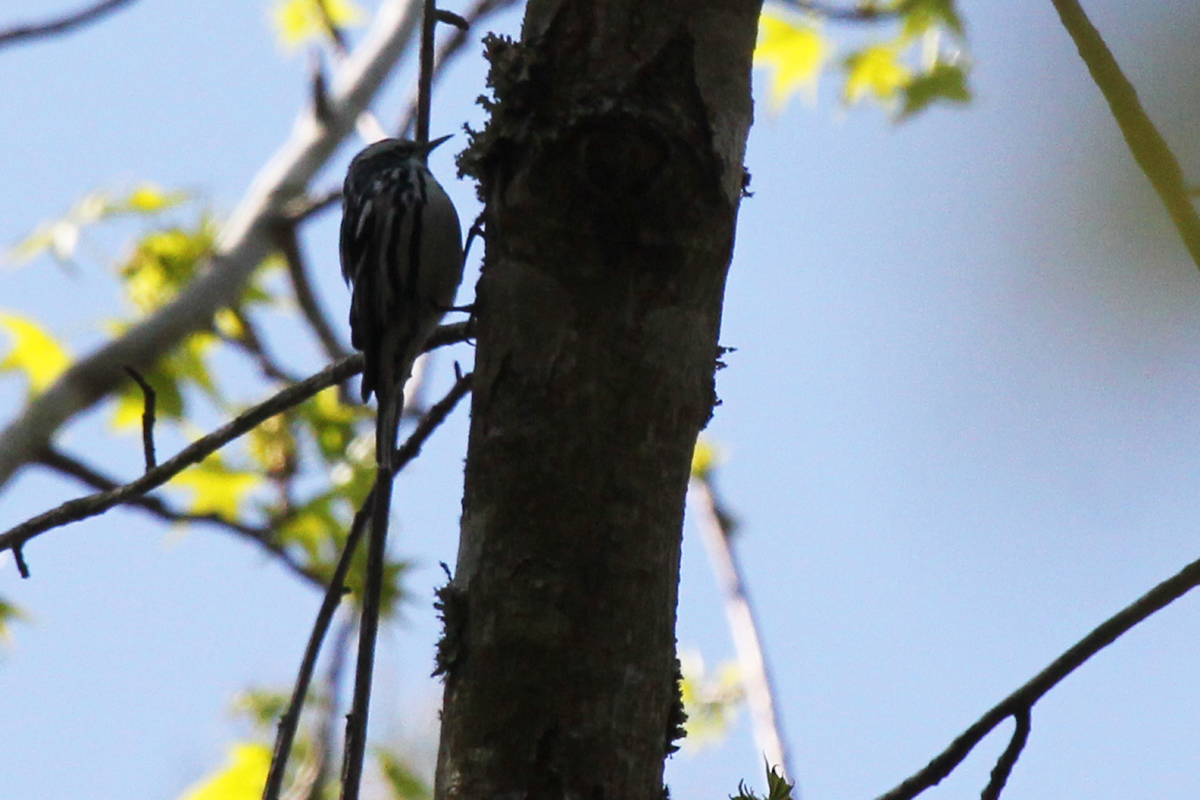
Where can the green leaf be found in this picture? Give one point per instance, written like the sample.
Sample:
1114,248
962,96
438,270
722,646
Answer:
778,788
944,82
216,489
403,782
332,422
187,363
273,447
876,69
298,21
317,530
262,706
9,614
147,198
241,778
711,702
34,352
163,262
794,51
922,15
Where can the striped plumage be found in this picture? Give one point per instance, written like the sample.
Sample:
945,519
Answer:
401,250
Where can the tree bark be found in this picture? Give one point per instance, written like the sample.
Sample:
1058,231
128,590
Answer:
611,171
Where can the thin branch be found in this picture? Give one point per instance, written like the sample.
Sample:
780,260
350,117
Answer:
289,244
1025,697
756,678
151,400
68,465
77,19
1008,759
335,33
368,630
290,720
245,241
449,49
250,342
84,507
328,725
425,77
1149,148
356,720
307,207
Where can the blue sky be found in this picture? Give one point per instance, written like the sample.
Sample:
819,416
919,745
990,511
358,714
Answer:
959,426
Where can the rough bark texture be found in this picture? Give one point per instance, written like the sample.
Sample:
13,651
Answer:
612,172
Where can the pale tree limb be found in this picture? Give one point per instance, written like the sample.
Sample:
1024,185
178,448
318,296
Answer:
714,526
245,241
1146,144
64,24
1021,702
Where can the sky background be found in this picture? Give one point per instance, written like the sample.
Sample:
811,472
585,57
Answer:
959,429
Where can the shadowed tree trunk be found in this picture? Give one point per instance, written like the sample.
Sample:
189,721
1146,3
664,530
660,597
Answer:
612,172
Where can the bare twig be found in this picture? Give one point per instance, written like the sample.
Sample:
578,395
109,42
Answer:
151,399
289,244
84,507
328,725
356,720
425,77
756,678
264,538
307,207
1008,759
368,630
245,241
1025,697
449,49
335,33
290,720
249,341
1146,144
77,19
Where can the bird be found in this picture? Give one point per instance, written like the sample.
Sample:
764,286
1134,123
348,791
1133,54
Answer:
401,254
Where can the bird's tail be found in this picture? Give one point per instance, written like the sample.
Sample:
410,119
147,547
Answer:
390,394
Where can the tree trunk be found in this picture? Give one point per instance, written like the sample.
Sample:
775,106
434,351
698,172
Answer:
611,171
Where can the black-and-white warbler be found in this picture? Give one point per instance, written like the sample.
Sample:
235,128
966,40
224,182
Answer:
401,249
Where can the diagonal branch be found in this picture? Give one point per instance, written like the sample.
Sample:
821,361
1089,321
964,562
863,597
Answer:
1146,144
1008,759
1023,699
67,465
82,508
65,24
715,528
289,244
291,718
244,243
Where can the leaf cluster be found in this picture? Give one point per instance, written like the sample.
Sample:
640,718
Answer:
908,55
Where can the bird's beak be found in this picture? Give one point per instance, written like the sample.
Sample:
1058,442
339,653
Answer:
429,146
